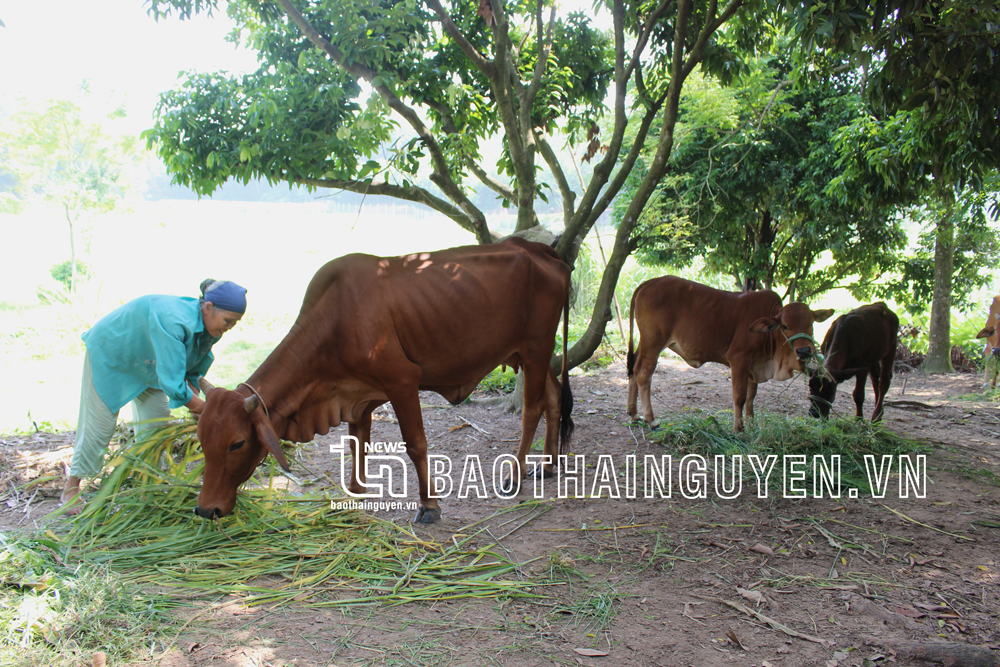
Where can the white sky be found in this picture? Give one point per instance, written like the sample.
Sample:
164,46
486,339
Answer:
48,48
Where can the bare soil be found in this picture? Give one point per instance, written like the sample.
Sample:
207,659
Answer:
660,581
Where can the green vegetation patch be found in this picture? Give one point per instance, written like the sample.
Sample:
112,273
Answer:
705,434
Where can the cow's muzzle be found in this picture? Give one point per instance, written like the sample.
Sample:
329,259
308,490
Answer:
996,352
213,513
804,352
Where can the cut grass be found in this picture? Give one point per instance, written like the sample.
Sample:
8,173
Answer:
53,614
275,548
706,434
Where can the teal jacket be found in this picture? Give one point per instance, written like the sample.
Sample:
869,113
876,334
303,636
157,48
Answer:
153,341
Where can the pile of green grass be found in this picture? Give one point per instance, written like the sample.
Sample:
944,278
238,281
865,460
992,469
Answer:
53,613
274,548
708,435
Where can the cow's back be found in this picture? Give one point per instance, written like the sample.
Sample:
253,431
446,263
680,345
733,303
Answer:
701,323
456,313
861,338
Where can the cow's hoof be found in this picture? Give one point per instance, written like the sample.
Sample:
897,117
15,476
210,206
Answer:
545,474
508,489
425,515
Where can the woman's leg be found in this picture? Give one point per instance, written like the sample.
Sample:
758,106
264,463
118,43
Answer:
94,429
151,409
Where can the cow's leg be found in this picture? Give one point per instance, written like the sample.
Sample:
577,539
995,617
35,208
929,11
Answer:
859,392
406,402
741,388
362,430
884,380
536,379
553,406
641,383
751,394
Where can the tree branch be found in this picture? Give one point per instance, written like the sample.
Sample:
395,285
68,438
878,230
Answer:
440,176
479,60
565,191
411,193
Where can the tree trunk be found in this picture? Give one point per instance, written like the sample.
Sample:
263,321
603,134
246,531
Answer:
938,359
72,254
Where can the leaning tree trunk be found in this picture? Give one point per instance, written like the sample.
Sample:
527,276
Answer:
938,359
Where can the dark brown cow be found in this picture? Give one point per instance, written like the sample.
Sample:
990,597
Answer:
748,331
374,330
860,343
989,332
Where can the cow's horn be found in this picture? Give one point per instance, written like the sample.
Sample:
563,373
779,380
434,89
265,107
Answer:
251,403
205,385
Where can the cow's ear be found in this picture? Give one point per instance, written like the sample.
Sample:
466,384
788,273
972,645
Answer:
987,332
765,324
823,314
267,436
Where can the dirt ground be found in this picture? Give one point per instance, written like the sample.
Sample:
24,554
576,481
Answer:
674,582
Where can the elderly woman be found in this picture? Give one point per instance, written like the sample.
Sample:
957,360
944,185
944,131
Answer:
151,351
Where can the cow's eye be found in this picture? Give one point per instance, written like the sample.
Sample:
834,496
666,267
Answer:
784,327
236,445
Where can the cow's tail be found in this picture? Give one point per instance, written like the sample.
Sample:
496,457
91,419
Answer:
630,356
566,398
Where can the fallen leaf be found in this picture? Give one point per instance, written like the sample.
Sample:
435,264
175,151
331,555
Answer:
907,611
750,595
734,639
762,549
590,652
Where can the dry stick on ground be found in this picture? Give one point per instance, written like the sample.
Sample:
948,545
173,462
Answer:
924,525
949,654
770,621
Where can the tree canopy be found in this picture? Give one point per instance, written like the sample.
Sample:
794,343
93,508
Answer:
51,154
749,190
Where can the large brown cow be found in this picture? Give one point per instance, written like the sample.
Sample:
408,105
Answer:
992,336
374,330
857,344
748,331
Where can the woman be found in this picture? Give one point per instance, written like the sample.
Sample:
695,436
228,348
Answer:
151,351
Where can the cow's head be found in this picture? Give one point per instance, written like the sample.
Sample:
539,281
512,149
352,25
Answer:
792,328
822,391
989,332
235,436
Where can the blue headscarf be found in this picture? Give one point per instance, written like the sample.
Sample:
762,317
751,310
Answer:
227,295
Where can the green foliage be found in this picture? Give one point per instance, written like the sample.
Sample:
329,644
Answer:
62,273
936,59
499,381
976,250
963,335
303,117
55,614
52,155
747,193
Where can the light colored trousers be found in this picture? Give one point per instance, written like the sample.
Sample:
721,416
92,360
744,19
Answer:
96,424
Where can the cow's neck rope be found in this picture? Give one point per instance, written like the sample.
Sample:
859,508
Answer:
259,397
